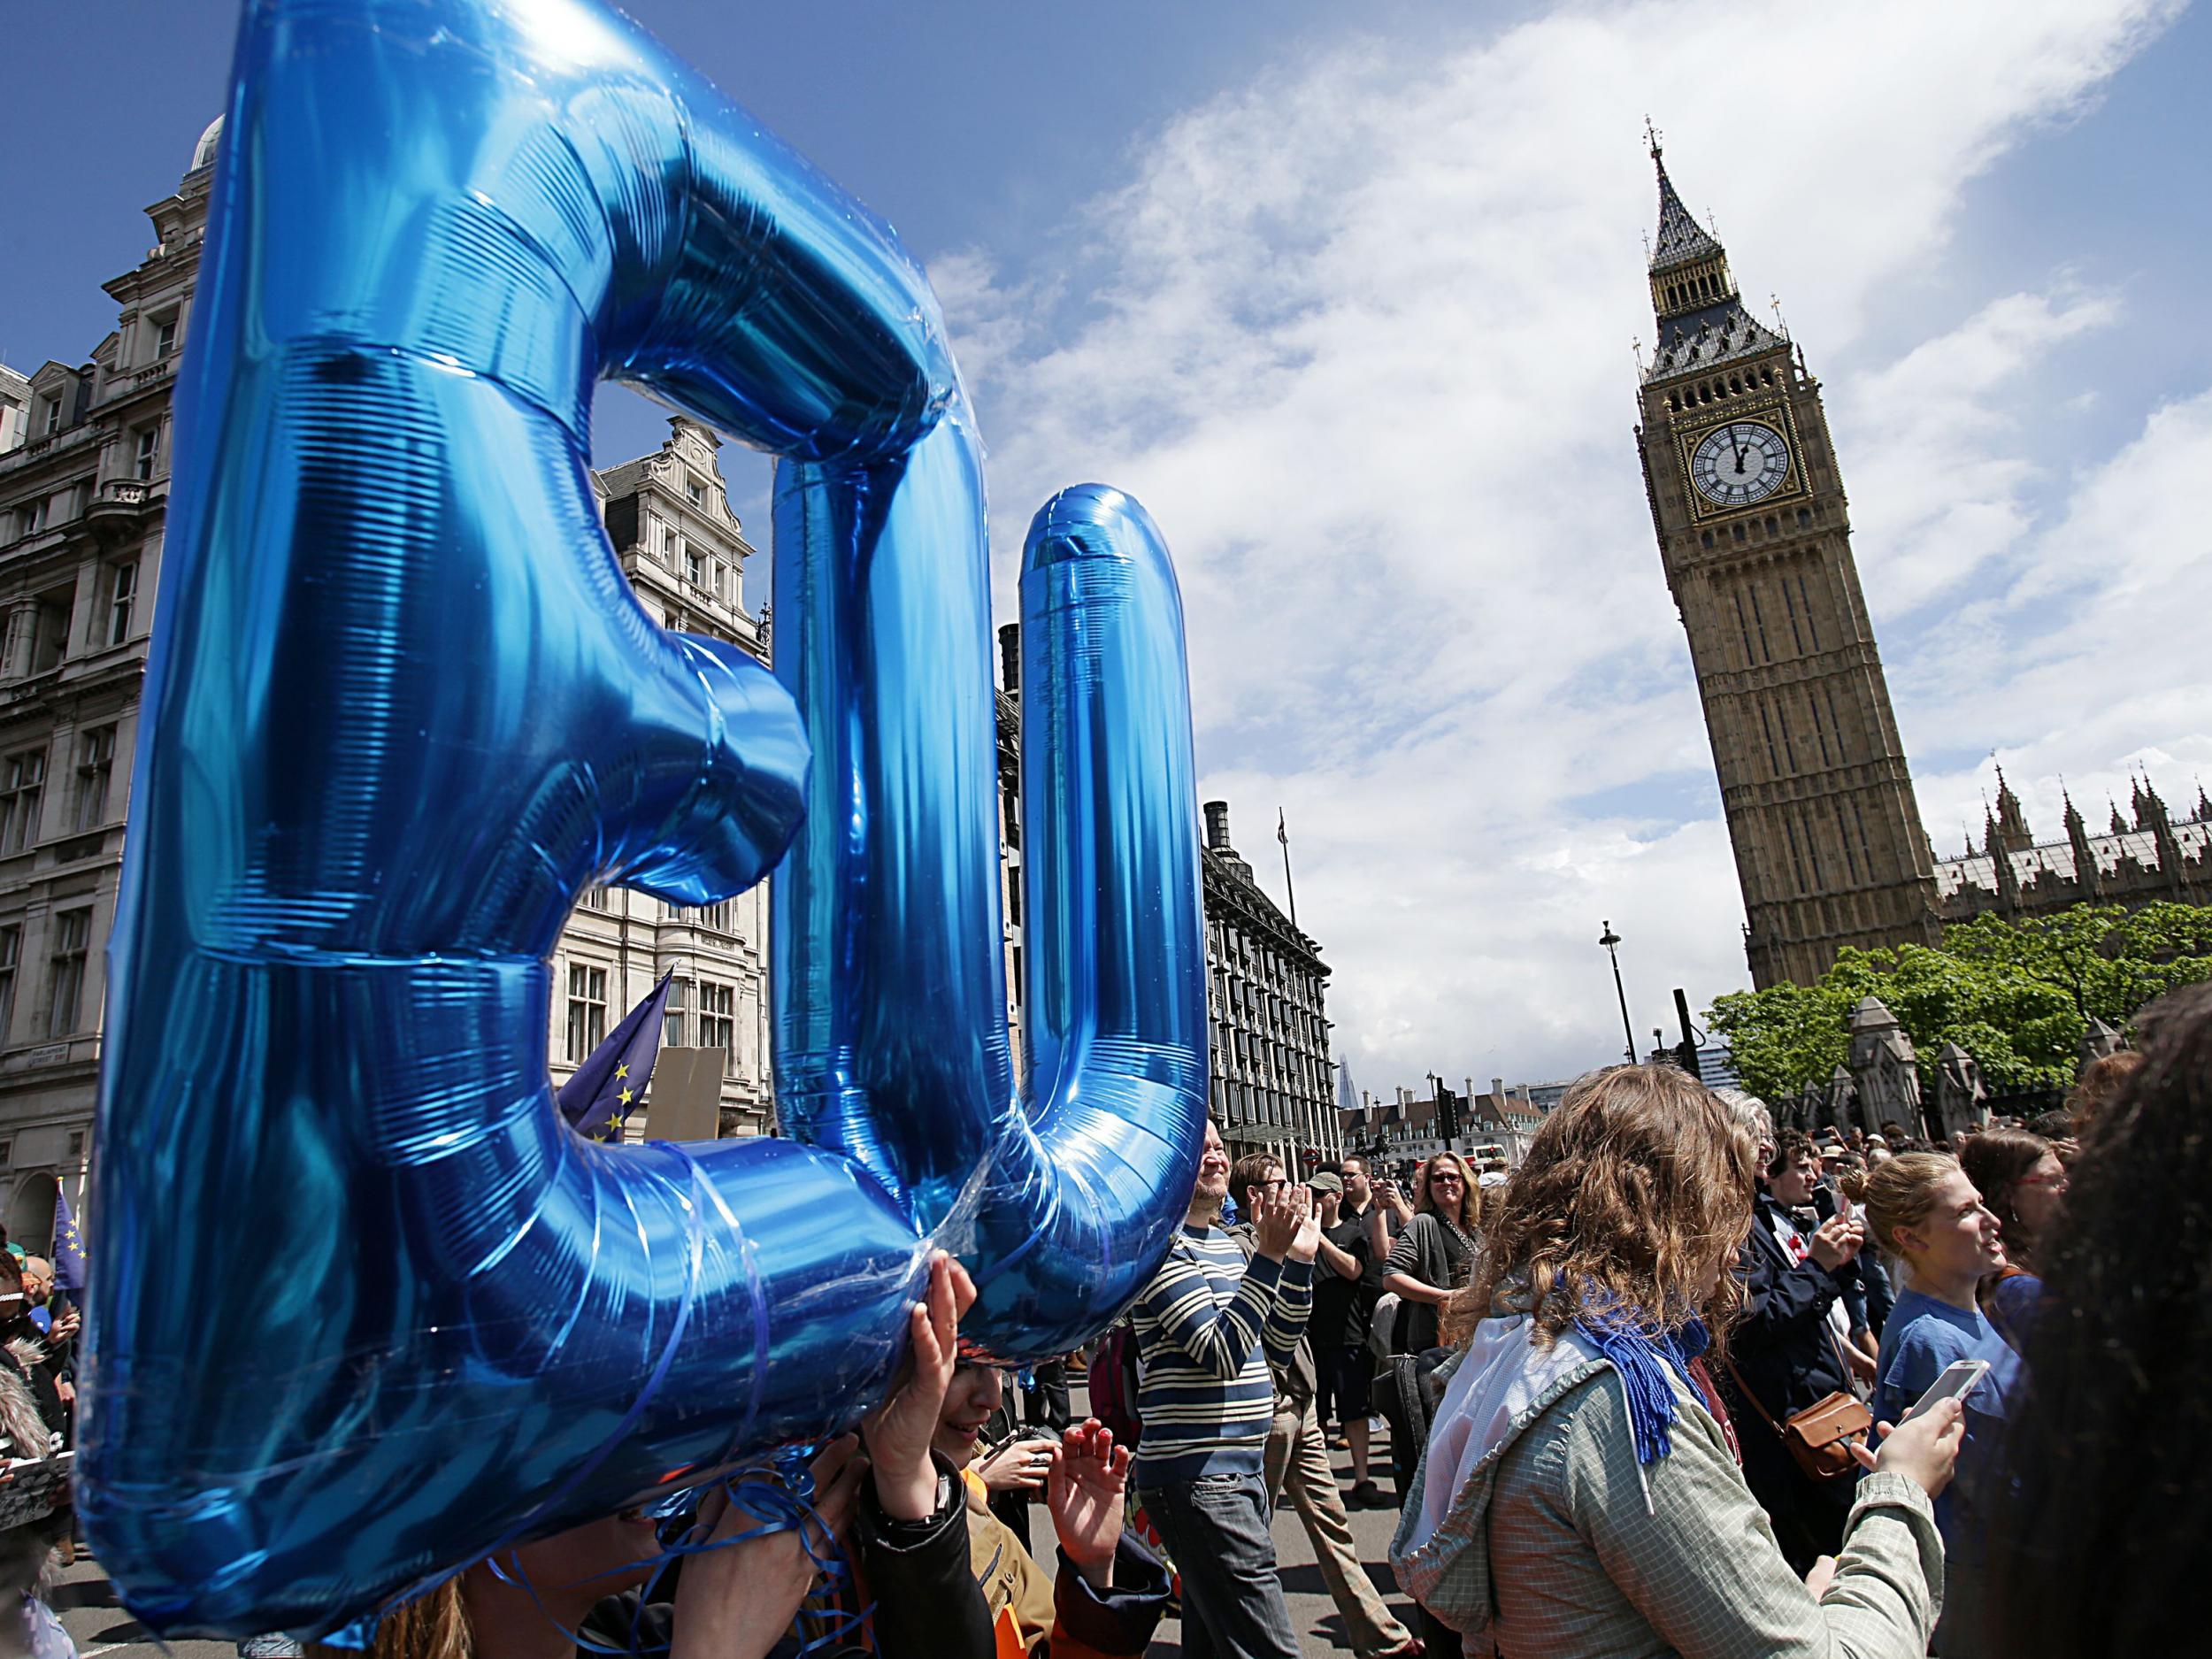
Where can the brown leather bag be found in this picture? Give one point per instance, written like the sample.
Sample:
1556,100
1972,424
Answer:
1821,1436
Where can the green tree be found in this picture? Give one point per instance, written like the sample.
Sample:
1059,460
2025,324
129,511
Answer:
2016,995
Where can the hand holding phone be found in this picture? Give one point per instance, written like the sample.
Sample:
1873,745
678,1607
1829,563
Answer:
1960,1378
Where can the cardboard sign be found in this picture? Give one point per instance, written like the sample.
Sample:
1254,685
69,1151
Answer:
684,1100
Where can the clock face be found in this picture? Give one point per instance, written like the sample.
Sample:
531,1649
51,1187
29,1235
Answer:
1740,462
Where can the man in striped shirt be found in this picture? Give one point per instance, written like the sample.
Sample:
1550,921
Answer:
1206,1326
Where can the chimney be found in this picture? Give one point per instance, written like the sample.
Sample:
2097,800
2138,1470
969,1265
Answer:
1010,658
1217,826
1497,1086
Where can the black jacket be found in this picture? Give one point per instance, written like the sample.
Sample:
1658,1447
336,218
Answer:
1782,1349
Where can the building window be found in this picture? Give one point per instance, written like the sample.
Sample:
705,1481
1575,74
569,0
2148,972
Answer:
696,491
718,1022
695,568
719,916
51,640
96,763
673,1017
586,1009
164,338
11,957
73,932
22,786
148,443
53,416
594,898
122,597
76,1146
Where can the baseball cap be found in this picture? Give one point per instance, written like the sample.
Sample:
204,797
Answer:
1325,1181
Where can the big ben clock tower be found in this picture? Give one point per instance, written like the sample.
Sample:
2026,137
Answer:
1755,533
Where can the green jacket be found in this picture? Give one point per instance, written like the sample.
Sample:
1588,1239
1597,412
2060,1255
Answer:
1546,1537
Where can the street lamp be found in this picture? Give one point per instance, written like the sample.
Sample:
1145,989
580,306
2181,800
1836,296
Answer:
1611,941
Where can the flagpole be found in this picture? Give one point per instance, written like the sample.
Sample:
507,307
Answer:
1282,835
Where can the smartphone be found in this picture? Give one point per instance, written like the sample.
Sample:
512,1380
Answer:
1960,1378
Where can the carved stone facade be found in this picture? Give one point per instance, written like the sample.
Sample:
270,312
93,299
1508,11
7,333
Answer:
1273,1086
2154,858
1884,1070
1755,535
84,481
1960,1102
668,517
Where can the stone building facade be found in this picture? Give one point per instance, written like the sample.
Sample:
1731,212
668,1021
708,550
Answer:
1273,1085
668,517
2155,857
84,479
1755,535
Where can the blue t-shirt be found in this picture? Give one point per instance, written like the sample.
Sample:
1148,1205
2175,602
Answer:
2011,1306
1923,1337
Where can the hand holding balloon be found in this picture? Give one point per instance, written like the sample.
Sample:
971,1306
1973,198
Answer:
898,1431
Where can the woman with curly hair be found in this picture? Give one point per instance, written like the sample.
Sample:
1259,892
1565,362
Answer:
2101,1536
1581,1492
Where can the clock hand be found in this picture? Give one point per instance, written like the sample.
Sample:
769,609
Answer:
1738,448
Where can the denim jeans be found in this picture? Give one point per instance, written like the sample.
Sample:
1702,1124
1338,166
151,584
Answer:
1216,1528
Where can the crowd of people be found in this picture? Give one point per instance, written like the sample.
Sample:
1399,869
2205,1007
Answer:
1660,1392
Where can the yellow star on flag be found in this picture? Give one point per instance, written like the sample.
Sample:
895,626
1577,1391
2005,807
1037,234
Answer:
622,1071
628,1095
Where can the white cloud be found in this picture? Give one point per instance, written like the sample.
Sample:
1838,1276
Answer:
1357,334
1942,478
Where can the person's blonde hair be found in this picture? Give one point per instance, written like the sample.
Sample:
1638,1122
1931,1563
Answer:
1900,1192
433,1625
1635,1196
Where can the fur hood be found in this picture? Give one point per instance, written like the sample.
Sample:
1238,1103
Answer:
22,1426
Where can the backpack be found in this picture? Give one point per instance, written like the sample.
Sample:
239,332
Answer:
1113,1383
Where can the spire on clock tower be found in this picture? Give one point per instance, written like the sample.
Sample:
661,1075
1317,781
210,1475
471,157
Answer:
1682,241
1700,315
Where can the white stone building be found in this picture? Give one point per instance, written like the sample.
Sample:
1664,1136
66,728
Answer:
84,479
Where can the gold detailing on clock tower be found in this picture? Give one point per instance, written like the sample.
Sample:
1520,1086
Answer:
1755,536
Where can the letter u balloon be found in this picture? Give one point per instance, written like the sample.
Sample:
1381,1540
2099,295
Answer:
362,1307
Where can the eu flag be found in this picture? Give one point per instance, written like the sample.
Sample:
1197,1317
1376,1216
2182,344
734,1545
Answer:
68,1245
612,1079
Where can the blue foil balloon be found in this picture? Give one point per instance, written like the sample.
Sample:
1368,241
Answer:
363,1308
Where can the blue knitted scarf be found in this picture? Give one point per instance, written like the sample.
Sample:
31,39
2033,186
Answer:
1635,1350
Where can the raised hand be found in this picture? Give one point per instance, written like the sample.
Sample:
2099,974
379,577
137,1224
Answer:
1836,1242
1306,1241
899,1430
1085,1495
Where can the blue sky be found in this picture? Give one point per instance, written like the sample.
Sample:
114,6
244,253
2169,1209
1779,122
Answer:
1347,296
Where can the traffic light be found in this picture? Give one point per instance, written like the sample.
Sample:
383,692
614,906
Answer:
1685,1051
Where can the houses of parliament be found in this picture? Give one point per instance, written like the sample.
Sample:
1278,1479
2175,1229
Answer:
1755,537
